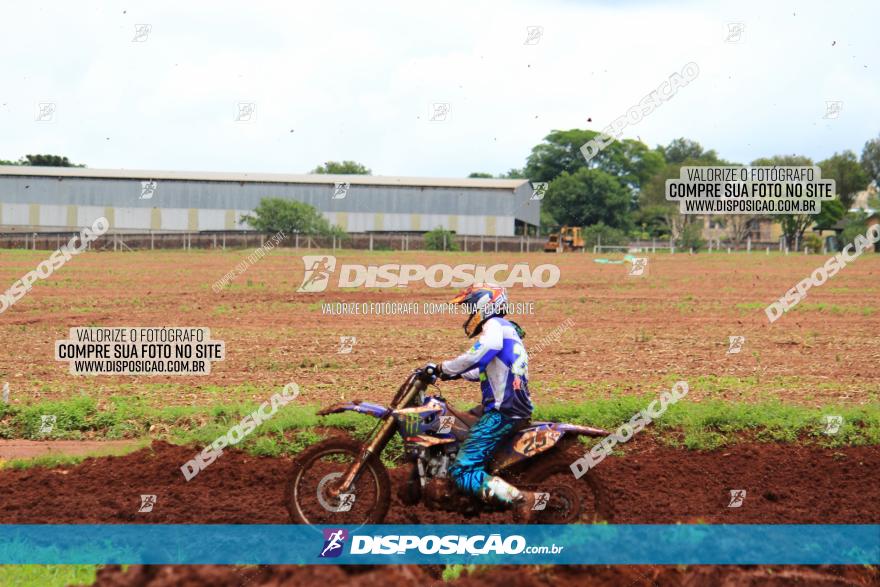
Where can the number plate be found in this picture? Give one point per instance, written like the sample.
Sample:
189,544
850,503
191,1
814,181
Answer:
536,441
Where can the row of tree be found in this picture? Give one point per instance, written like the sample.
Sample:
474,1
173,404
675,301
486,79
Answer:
42,161
621,191
618,194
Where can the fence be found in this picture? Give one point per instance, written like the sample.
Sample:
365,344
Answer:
636,247
711,246
372,241
115,241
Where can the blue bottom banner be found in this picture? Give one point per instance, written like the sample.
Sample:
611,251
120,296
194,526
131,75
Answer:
625,544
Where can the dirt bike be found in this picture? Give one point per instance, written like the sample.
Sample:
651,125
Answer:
343,481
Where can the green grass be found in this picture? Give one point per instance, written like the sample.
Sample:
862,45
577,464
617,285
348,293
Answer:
754,387
711,424
46,575
57,460
707,424
453,572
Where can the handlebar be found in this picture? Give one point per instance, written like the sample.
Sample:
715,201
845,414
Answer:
425,376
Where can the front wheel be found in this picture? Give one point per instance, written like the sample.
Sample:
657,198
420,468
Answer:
311,494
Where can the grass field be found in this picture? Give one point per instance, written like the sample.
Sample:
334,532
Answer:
630,337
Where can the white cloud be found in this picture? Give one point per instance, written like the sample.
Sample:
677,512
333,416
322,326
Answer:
356,80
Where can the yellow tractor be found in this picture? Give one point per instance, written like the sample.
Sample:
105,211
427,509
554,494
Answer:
567,239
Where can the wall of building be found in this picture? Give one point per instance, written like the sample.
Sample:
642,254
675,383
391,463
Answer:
53,203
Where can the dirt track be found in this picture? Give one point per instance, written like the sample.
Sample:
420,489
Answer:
28,449
628,333
652,484
623,576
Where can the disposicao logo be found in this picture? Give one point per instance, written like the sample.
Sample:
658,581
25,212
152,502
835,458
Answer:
319,268
409,544
334,539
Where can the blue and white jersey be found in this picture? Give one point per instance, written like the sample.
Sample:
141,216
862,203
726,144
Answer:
498,360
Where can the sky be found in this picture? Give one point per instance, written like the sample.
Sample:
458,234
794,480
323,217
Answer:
169,85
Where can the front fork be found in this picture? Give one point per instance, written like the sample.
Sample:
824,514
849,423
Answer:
373,446
377,442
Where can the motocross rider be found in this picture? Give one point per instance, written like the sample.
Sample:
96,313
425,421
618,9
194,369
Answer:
498,360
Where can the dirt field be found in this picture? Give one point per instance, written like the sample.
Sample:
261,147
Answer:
653,484
631,576
630,334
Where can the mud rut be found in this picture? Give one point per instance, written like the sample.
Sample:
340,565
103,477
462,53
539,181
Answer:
651,484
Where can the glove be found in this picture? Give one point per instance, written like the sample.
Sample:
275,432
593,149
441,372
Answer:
443,375
432,371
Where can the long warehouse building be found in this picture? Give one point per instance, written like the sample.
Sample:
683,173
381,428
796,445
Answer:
45,199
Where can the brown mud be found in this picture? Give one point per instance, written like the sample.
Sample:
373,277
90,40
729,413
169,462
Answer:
503,576
653,483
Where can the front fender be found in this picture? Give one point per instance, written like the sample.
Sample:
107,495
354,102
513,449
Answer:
358,406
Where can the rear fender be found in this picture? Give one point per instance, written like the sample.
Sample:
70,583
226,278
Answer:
536,439
582,430
525,444
358,406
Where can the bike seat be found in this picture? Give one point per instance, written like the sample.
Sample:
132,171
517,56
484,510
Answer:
470,417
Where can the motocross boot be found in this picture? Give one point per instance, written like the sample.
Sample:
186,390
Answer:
524,511
522,502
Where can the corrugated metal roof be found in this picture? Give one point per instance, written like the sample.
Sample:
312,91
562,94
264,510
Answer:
81,172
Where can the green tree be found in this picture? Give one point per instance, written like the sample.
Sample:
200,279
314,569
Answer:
511,174
688,229
514,174
289,216
849,176
630,161
560,151
793,225
600,233
42,161
681,149
691,236
832,212
587,197
48,161
440,239
855,223
652,197
341,168
651,221
813,243
871,159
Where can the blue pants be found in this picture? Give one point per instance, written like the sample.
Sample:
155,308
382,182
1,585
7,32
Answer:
469,470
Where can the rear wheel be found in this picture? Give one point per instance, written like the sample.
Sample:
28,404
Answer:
313,494
568,500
